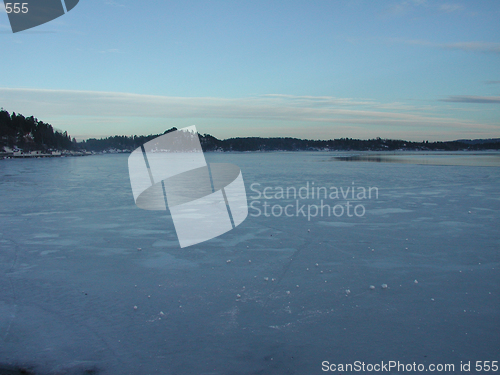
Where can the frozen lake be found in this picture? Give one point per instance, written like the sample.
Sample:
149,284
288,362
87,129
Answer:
279,294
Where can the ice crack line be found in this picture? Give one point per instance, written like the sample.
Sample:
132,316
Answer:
286,268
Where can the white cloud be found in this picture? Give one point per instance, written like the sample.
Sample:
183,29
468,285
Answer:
476,46
405,7
473,99
318,100
277,107
473,46
449,8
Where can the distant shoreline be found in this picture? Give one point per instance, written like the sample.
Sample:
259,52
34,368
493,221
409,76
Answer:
210,143
484,158
40,154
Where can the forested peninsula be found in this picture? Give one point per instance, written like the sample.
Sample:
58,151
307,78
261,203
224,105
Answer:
27,136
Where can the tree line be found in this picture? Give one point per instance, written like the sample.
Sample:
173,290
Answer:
29,134
211,143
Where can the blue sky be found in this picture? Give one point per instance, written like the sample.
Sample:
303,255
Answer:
411,69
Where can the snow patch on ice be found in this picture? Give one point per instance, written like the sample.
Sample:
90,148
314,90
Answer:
46,252
45,235
336,224
385,211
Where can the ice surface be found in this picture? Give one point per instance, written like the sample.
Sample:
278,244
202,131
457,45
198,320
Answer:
76,256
